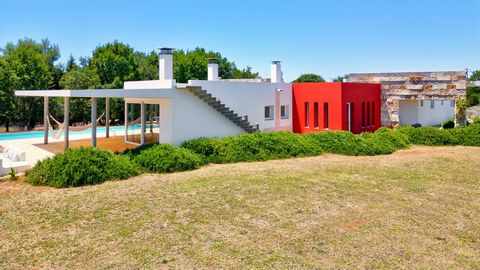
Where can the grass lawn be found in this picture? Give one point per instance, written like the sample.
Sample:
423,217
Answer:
417,208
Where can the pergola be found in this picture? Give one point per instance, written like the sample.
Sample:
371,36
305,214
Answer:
93,94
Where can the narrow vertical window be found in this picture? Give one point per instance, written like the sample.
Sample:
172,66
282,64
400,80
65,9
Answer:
269,112
284,114
363,114
368,114
421,103
307,114
315,114
432,104
373,113
325,114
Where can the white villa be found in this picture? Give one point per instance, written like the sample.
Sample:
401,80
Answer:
169,112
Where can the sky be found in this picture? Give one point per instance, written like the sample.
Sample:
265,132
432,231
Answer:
329,38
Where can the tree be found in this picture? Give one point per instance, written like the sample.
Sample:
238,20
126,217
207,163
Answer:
26,65
114,63
147,65
341,78
245,73
309,77
192,65
475,76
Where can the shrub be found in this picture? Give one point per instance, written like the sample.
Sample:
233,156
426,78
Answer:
473,95
137,150
429,136
468,136
253,147
214,150
385,141
167,158
81,166
340,142
448,124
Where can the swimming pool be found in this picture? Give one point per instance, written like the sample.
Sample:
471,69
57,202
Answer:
39,134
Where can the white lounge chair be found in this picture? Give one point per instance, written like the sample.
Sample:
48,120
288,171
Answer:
13,158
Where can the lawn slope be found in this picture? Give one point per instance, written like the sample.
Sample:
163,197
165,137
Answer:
416,208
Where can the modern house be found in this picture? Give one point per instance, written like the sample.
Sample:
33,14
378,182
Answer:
426,98
169,112
352,107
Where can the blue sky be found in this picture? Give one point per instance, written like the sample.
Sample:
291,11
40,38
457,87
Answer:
326,37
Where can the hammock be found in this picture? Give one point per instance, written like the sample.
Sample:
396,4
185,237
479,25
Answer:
136,121
72,128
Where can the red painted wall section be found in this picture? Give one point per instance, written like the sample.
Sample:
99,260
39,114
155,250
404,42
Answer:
336,95
366,95
321,93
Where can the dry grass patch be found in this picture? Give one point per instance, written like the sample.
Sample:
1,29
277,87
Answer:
417,208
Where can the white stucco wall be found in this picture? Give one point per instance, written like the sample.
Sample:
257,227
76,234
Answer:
408,113
435,116
250,98
412,111
184,116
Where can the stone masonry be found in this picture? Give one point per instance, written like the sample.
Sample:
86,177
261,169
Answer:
448,85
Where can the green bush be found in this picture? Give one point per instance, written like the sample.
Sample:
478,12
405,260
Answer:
468,136
473,95
384,141
161,158
341,142
81,166
448,124
253,147
429,136
214,150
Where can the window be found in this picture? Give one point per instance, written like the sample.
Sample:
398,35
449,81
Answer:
315,115
307,114
363,114
432,104
452,103
284,114
421,103
368,114
373,113
441,102
325,114
269,112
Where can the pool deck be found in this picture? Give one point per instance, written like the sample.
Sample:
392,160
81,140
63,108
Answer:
36,150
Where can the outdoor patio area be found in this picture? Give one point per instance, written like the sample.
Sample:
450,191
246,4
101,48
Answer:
115,144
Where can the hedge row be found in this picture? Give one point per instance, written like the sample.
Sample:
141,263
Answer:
88,166
277,145
468,136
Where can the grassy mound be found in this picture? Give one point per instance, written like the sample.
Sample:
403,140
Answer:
81,166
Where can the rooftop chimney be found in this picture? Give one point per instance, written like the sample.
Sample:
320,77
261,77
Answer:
212,69
165,64
276,72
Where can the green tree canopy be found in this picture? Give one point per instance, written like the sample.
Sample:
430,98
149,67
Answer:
114,63
475,76
26,65
309,77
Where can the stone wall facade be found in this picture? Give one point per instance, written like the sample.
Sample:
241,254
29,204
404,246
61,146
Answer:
448,85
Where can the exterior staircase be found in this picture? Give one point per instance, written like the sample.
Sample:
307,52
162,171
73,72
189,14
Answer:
223,109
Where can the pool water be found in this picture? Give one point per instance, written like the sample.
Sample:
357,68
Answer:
39,134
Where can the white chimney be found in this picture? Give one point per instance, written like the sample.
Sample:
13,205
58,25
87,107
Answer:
212,69
276,72
165,64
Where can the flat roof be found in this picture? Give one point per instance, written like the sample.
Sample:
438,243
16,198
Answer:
100,93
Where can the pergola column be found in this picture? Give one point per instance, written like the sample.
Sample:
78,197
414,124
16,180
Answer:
107,117
142,117
94,122
66,122
45,120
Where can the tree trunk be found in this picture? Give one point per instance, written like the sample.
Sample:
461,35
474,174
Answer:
7,126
